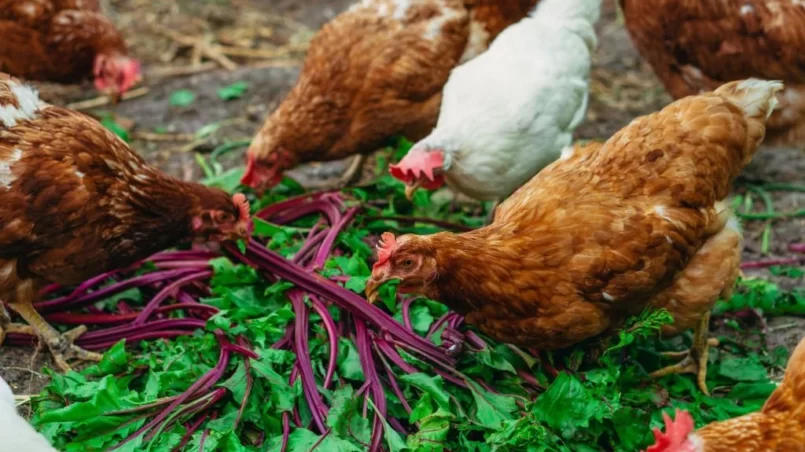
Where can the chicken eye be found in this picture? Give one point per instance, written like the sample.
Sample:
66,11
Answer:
225,217
408,263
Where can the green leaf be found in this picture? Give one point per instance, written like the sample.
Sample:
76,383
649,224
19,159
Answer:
432,433
648,323
233,91
393,439
115,360
567,406
236,383
182,98
491,409
112,125
747,369
349,361
422,408
107,396
283,395
432,385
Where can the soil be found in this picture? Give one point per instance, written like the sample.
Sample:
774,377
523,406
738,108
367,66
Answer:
622,87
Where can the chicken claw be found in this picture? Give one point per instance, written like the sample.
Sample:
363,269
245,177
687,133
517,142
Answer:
353,173
63,349
61,345
7,327
693,361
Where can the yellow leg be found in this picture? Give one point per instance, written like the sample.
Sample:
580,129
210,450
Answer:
7,327
61,346
693,361
353,172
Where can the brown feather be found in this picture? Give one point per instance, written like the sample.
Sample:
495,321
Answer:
377,71
55,40
75,200
696,46
604,232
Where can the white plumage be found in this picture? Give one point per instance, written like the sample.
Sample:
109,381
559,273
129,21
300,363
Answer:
509,112
16,434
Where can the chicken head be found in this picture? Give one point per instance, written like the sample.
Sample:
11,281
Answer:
401,259
264,167
219,221
116,74
421,167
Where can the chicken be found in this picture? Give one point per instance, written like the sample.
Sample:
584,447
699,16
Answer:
696,46
602,232
64,41
16,434
76,201
778,426
509,112
374,72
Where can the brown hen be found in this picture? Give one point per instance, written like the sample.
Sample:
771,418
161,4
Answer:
76,201
374,72
64,41
778,427
696,46
602,233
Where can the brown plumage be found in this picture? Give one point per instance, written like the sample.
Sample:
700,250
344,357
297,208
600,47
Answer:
374,72
602,232
76,201
778,427
64,41
696,46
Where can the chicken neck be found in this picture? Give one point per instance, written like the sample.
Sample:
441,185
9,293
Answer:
473,268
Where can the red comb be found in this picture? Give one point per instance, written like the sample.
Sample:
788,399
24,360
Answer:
676,433
243,205
385,248
420,164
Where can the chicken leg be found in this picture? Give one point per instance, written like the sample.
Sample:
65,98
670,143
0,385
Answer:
61,346
353,172
693,361
7,327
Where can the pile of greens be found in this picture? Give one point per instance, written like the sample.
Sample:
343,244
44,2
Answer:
269,346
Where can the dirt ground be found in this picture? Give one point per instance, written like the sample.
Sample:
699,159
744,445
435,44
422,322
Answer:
275,34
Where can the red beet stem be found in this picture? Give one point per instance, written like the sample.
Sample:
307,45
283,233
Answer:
318,409
332,337
166,292
772,262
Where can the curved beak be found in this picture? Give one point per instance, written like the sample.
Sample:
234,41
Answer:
410,189
373,288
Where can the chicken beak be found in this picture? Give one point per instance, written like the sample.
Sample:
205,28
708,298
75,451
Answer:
410,189
372,289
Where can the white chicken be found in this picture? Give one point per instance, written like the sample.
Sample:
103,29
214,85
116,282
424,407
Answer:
509,112
16,434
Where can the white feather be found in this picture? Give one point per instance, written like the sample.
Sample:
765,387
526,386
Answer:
509,112
16,434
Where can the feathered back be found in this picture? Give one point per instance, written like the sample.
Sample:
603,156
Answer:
587,10
790,396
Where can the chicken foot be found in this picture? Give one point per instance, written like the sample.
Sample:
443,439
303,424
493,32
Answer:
61,345
7,327
693,361
353,172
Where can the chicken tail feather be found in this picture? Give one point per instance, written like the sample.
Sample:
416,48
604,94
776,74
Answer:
757,98
789,397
